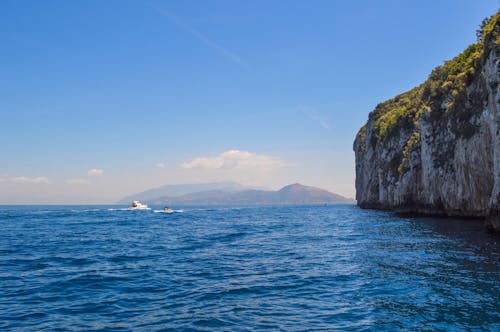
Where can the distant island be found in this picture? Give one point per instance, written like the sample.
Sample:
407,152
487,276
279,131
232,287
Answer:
436,148
230,194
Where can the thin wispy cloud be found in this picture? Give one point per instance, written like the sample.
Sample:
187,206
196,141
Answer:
201,37
25,180
313,115
160,165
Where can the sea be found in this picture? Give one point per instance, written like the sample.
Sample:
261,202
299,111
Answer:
268,268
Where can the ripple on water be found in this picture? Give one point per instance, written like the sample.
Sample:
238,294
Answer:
259,268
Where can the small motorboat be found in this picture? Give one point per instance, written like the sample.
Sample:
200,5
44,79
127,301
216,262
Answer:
166,209
136,205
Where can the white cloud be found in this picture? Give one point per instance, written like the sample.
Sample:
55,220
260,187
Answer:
95,172
235,159
25,179
160,165
77,181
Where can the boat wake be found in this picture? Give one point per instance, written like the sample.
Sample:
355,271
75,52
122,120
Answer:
171,211
129,209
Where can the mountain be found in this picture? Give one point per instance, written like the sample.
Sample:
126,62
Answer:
436,148
300,194
183,189
292,194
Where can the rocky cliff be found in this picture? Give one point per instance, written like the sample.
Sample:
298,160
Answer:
436,148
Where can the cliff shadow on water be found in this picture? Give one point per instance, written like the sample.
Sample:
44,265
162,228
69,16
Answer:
435,150
464,230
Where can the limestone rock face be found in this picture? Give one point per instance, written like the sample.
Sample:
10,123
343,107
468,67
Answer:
492,77
436,149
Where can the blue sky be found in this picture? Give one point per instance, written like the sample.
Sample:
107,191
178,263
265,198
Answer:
148,93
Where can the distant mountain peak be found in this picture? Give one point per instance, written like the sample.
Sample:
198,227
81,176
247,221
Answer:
295,186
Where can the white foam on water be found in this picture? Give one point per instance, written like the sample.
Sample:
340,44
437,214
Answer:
86,210
173,211
129,209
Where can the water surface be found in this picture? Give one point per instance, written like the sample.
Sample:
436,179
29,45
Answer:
244,269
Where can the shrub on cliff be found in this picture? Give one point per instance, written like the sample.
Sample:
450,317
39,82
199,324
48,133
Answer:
443,93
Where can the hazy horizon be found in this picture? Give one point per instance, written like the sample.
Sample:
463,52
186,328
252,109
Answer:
133,195
102,99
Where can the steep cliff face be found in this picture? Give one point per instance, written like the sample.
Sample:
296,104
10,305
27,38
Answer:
436,148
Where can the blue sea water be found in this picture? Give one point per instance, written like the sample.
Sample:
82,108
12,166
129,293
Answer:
243,269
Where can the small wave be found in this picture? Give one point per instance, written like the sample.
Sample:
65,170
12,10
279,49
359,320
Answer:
84,211
173,211
37,212
129,209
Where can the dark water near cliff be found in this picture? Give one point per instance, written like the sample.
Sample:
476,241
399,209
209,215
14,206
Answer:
265,268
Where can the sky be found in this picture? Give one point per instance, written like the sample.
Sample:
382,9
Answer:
103,98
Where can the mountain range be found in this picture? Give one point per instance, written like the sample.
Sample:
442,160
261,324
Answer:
230,193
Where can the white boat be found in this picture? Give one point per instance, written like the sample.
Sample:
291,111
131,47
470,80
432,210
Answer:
167,210
136,205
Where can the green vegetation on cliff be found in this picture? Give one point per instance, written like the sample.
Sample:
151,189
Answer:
442,94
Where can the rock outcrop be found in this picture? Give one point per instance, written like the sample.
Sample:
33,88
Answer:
436,148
